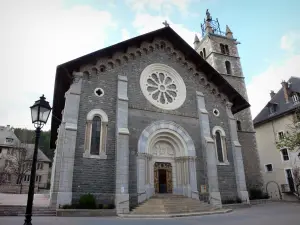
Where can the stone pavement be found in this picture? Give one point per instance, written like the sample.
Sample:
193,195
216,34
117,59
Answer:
21,199
265,214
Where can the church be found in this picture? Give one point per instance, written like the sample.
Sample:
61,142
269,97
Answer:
153,115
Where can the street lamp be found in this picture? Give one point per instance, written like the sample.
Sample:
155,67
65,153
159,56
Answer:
40,112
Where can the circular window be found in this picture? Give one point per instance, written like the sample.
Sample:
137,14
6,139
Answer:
99,92
163,86
216,112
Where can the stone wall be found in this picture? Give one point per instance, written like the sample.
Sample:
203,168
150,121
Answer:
98,176
236,79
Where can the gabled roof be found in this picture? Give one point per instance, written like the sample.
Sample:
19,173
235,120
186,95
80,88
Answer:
7,132
282,108
41,157
64,71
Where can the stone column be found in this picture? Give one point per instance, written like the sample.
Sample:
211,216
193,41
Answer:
193,177
65,150
122,148
209,146
141,176
237,157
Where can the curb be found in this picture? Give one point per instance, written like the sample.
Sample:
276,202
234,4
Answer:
207,213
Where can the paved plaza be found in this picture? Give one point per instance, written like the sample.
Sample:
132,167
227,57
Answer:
21,199
266,214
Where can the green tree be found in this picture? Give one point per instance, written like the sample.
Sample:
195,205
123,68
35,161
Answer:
291,139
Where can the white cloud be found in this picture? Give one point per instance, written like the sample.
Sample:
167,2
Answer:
125,34
260,86
289,41
163,6
141,23
36,36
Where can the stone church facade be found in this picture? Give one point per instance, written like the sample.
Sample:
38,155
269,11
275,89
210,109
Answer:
145,116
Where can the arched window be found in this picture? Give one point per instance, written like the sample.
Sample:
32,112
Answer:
228,67
226,50
204,53
201,53
95,134
239,125
220,144
95,137
222,48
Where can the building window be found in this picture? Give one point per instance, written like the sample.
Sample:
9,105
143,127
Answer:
95,135
204,53
228,67
239,125
272,109
280,135
38,178
39,166
295,98
201,53
95,138
269,167
27,178
9,140
226,50
222,47
285,154
220,144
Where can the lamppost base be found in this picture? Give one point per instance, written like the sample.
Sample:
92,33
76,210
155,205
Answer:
27,220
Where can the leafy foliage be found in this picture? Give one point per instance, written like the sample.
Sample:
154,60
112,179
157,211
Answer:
87,201
296,174
291,138
257,194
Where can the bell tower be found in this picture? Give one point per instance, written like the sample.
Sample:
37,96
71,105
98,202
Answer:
220,50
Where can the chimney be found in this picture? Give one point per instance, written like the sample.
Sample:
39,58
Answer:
8,126
285,87
272,93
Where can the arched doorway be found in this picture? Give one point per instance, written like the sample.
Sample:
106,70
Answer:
166,161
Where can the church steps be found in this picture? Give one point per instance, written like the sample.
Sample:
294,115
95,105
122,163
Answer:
169,204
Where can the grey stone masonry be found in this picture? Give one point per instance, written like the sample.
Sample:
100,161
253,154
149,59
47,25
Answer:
208,145
122,148
237,157
217,59
61,192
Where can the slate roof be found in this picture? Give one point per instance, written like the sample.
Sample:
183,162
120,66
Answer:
41,156
6,132
64,72
282,107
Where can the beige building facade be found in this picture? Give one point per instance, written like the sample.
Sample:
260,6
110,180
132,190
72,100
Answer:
271,124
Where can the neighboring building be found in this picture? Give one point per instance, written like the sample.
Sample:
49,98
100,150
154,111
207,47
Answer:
271,124
150,115
10,155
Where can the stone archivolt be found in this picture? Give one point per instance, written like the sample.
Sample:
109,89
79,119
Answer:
132,53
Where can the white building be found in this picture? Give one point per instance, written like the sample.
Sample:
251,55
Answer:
272,123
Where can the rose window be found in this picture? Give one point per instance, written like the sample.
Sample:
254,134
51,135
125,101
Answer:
163,86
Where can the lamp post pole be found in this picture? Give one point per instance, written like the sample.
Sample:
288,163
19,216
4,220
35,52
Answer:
30,197
40,112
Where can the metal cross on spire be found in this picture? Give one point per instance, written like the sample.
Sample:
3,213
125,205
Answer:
166,24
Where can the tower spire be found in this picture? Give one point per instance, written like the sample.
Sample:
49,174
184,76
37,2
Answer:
196,41
228,32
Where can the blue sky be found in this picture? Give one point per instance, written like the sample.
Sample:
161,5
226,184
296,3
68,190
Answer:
37,35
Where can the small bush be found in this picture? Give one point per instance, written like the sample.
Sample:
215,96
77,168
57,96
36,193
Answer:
67,206
257,194
232,201
100,206
87,201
